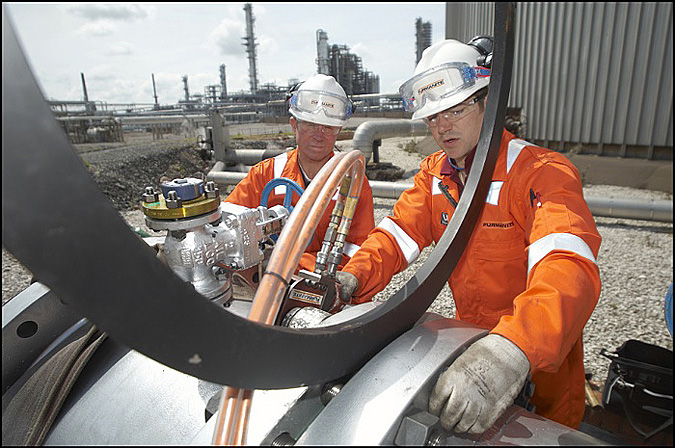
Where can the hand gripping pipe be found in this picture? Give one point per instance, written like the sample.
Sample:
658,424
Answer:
235,403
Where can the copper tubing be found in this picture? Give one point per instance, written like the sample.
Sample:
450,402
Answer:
295,236
590,396
233,402
232,422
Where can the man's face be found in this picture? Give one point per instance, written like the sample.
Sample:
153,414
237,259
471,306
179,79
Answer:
457,129
315,141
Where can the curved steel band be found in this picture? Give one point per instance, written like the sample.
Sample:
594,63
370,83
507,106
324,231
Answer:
70,237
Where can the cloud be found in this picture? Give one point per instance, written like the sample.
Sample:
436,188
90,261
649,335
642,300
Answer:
97,29
102,19
227,38
128,12
363,51
120,49
267,45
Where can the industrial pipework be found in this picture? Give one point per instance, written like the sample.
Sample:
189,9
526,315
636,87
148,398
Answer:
611,207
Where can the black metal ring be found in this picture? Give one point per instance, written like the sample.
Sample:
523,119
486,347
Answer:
58,223
274,274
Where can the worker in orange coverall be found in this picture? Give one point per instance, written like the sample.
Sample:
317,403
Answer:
319,109
529,271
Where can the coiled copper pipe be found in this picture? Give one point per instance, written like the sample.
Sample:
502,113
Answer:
235,404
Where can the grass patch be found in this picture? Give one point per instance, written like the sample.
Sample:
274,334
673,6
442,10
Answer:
410,146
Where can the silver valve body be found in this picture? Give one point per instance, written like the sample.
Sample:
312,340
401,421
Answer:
205,236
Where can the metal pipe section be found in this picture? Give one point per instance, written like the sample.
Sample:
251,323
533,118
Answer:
369,131
251,156
649,210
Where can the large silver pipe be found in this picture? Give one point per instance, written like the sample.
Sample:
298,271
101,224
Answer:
369,131
649,210
251,156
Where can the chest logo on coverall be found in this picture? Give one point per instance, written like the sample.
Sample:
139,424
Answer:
444,219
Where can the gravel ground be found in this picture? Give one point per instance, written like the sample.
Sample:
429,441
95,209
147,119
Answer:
636,257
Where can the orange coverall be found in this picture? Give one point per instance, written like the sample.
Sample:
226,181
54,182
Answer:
528,272
249,190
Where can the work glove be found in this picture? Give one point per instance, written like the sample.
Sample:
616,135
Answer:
348,284
478,387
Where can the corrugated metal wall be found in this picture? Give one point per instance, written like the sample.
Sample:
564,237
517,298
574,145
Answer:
596,77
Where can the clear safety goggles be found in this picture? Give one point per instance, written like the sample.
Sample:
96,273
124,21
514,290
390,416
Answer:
454,114
316,101
315,128
438,83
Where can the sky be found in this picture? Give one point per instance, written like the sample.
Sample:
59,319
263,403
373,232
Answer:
118,46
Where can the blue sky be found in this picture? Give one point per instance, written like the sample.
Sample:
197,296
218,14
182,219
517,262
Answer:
119,45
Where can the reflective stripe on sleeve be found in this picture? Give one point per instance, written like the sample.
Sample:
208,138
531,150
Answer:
493,194
407,245
557,241
350,249
279,164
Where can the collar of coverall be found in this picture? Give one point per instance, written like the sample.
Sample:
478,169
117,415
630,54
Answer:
449,166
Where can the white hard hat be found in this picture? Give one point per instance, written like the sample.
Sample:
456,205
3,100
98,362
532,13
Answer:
447,74
321,100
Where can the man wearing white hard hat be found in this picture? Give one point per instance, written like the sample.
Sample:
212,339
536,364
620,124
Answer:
529,271
319,108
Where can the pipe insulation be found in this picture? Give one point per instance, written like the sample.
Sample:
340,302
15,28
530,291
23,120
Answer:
369,131
251,156
651,210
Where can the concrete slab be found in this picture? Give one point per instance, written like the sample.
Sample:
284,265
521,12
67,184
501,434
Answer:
635,173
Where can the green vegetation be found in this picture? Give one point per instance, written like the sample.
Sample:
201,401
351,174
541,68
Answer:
410,146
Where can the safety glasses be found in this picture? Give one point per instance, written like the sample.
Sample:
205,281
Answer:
315,128
454,114
315,102
438,83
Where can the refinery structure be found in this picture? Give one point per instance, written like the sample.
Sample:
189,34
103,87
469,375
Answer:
263,101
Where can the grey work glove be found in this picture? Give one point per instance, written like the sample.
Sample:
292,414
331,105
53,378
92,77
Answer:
348,284
478,387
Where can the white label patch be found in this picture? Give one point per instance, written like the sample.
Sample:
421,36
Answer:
306,297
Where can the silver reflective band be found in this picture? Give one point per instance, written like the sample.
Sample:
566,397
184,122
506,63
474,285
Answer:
515,147
279,164
436,83
407,245
435,188
317,101
493,194
350,249
557,241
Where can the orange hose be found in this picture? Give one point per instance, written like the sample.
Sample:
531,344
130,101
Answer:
235,404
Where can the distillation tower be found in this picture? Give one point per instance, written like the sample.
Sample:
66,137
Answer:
250,44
